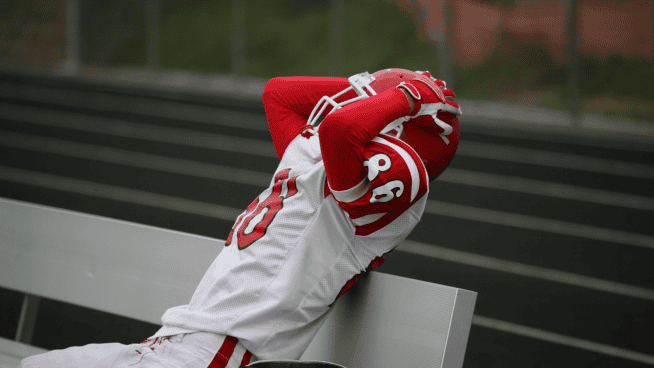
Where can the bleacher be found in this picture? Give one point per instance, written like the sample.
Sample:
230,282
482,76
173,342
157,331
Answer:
140,271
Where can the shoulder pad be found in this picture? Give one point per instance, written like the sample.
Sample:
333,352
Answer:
396,178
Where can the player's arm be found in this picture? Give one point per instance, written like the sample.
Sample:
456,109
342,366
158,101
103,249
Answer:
288,102
394,181
345,133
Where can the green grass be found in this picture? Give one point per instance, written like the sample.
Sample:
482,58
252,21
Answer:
197,38
281,43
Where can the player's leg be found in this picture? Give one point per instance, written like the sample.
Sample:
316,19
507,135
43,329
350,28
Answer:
92,355
200,349
294,364
204,349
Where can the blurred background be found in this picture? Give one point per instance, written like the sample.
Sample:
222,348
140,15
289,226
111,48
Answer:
150,111
524,52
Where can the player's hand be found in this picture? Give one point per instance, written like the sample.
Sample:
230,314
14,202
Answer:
433,108
449,94
440,83
430,97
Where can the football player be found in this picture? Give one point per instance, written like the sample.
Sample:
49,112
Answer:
346,192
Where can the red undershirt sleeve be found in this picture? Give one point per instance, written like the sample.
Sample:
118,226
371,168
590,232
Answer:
344,134
288,102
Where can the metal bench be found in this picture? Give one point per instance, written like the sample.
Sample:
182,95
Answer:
123,268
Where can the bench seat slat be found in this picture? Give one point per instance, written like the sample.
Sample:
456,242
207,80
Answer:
12,352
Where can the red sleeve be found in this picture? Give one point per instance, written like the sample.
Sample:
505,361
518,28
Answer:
395,179
345,133
288,102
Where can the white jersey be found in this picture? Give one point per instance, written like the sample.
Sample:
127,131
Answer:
299,246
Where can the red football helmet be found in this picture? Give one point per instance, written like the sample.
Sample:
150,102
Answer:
434,137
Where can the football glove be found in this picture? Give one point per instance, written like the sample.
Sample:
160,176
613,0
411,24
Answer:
430,98
441,83
428,102
426,73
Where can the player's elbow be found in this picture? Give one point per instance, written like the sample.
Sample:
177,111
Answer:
335,130
271,89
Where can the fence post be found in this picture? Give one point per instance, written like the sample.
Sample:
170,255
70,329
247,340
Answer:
441,50
238,38
336,47
445,56
153,14
71,64
573,63
27,319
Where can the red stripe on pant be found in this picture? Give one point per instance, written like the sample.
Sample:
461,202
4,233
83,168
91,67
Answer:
246,358
225,353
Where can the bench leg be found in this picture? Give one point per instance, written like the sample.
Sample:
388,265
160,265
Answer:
27,319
